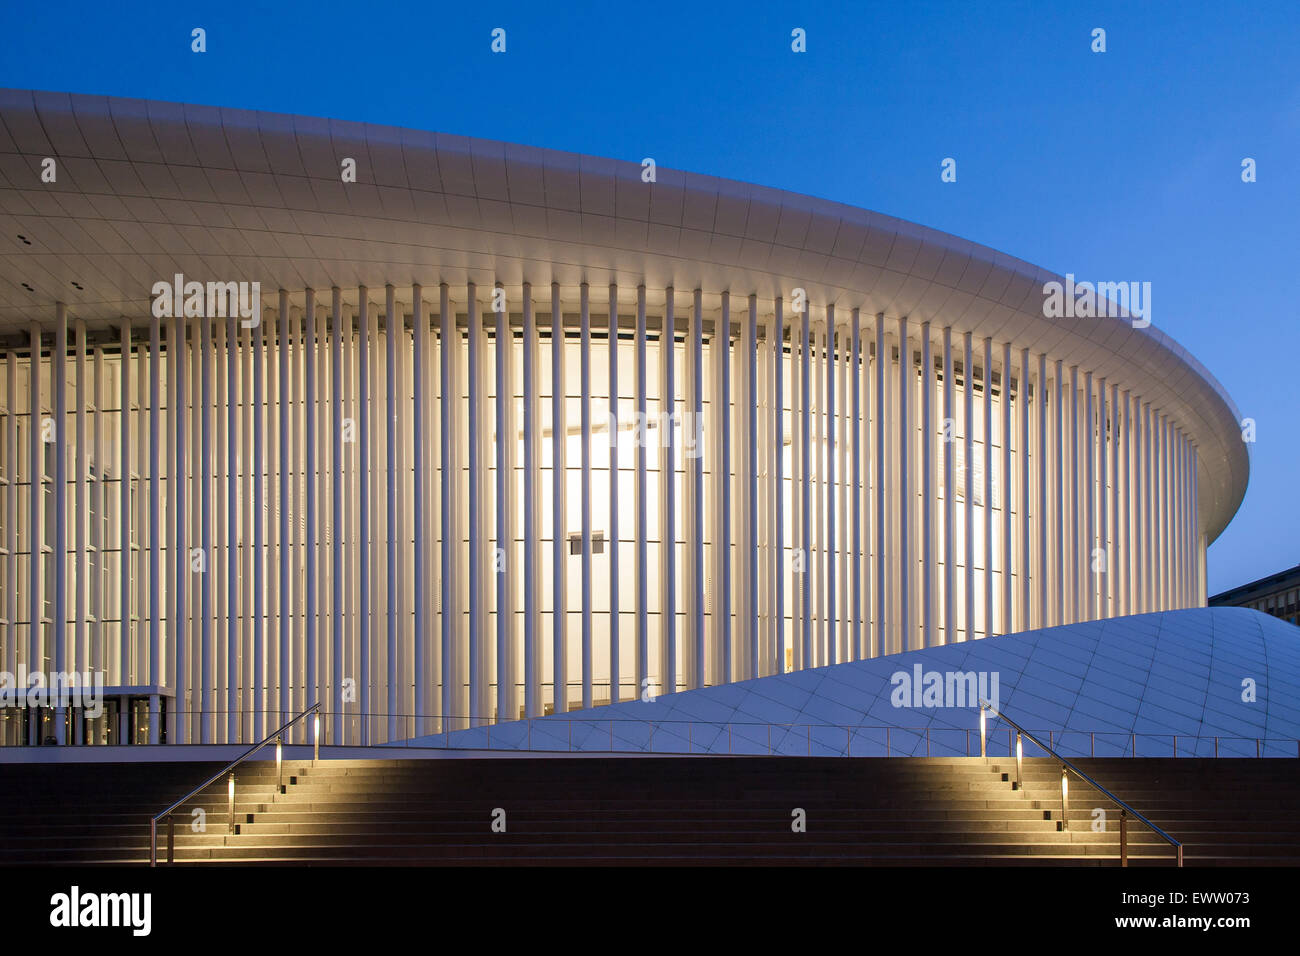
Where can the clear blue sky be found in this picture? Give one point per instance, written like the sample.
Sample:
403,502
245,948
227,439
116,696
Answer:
1123,165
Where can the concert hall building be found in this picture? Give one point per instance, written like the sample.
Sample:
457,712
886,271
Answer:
443,432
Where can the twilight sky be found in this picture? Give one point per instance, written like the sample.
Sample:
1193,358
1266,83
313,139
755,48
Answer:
1123,165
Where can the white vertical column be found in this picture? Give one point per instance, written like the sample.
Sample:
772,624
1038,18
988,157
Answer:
285,539
668,498
258,556
1148,516
11,509
448,337
532,515
949,497
391,321
1008,484
310,506
987,401
826,453
641,432
59,398
1124,555
968,489
614,662
817,465
778,481
1023,621
503,564
82,503
334,696
585,390
928,566
125,575
1087,608
1114,568
1042,566
722,485
854,583
842,483
804,652
477,514
1073,551
156,679
749,492
882,644
695,498
1060,612
905,497
1105,539
559,485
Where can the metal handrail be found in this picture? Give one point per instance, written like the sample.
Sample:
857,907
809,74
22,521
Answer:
1124,807
276,735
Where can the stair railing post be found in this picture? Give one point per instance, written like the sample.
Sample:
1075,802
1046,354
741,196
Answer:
279,765
1020,780
230,797
1065,799
1256,746
983,733
1123,838
171,838
153,842
1133,745
315,756
848,740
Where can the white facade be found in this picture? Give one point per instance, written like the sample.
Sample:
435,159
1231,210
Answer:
363,499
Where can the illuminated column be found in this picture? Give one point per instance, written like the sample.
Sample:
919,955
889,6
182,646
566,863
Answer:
125,672
309,402
363,511
560,502
585,389
641,432
905,437
477,513
1058,455
949,497
59,549
987,398
1124,539
884,612
842,471
805,597
504,559
927,489
1103,539
334,698
667,496
614,667
82,504
283,419
777,336
749,498
722,489
1087,610
968,486
11,506
695,573
1023,620
817,591
1008,485
856,420
1073,551
532,516
1042,566
829,619
1148,589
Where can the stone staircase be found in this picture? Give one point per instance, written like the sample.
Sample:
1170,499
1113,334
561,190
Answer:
655,810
